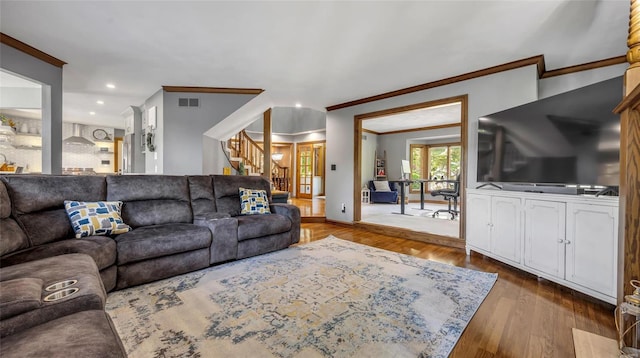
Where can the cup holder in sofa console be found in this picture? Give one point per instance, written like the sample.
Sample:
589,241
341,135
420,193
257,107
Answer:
60,294
60,285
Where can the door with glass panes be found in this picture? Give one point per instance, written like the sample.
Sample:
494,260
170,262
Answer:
305,171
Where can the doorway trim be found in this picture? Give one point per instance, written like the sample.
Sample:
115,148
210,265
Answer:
357,172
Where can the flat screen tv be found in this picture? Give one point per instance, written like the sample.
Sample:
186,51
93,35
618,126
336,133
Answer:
571,138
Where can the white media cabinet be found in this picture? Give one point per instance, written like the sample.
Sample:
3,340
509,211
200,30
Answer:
568,239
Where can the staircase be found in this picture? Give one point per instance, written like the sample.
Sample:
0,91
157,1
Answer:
247,154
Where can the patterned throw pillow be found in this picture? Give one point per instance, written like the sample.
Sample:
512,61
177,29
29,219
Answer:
254,202
95,218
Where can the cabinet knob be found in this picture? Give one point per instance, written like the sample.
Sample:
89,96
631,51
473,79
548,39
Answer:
567,242
560,241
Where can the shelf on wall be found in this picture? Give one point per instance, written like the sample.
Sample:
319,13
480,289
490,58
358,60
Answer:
32,147
19,134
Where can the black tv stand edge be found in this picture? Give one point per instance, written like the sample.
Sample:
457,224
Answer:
489,184
608,190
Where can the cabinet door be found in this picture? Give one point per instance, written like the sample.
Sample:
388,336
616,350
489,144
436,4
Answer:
478,221
506,232
592,247
544,236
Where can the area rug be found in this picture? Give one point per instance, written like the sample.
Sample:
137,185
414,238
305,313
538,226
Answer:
329,298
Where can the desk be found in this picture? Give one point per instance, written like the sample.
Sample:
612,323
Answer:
403,183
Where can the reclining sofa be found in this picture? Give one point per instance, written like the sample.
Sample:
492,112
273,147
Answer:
51,279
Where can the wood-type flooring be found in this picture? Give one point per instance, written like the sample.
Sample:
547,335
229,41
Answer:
523,316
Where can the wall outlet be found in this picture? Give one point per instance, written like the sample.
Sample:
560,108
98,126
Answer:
344,208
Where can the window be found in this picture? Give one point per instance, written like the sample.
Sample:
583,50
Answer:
438,161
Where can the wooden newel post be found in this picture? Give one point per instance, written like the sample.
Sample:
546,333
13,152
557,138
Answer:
632,77
629,110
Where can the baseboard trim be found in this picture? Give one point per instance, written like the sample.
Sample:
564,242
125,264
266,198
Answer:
313,219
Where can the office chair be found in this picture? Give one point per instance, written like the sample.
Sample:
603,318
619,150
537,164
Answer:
451,195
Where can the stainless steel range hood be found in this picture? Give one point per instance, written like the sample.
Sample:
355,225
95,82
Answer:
77,138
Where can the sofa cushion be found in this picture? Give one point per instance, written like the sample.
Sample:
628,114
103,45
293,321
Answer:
253,226
203,202
381,185
253,202
19,295
38,202
101,249
151,199
95,218
80,335
161,240
12,237
227,190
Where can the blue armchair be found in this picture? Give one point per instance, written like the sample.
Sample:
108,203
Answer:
384,196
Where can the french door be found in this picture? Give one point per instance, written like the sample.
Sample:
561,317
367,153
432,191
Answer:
305,171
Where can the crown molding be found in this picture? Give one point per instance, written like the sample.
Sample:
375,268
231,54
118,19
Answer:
538,61
30,50
254,91
585,66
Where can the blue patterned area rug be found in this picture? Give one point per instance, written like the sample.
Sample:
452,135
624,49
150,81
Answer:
329,298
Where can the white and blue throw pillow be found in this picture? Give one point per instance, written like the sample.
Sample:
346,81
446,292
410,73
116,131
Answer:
95,218
254,202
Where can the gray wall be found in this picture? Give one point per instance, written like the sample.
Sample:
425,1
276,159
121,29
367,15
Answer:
369,148
183,141
397,145
154,160
50,77
488,94
291,120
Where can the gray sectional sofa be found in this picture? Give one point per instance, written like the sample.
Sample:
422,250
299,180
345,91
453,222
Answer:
179,224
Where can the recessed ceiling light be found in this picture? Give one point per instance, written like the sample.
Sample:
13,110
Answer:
100,102
111,85
92,113
298,105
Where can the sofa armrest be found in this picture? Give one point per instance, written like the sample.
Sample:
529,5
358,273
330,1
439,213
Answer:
224,234
293,213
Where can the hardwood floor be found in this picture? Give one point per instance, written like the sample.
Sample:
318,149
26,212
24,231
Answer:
523,316
309,207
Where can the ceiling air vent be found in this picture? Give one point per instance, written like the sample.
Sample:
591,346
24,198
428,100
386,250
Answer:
188,102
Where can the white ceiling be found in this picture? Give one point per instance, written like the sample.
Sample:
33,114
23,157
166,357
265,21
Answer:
425,117
315,53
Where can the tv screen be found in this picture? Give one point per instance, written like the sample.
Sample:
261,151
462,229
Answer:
570,138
